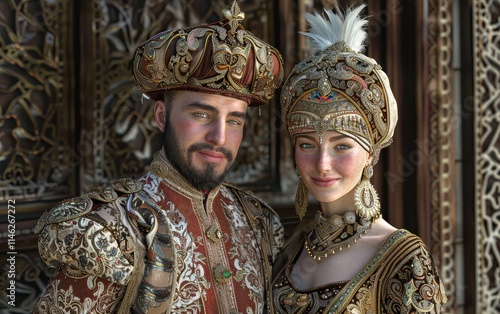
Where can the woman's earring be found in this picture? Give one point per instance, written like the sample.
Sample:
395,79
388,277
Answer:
301,198
366,198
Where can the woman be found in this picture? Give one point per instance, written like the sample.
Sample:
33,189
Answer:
340,112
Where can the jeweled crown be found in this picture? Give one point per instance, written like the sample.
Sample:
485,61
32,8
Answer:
218,58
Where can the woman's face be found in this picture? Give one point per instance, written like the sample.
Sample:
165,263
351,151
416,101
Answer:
332,169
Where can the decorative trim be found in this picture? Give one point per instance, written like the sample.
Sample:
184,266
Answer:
442,139
486,35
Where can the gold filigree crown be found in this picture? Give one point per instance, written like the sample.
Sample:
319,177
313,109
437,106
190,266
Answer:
339,88
218,58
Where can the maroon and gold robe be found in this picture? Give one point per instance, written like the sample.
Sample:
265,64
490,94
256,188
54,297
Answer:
158,245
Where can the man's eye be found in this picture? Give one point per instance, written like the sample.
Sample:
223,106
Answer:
235,122
200,115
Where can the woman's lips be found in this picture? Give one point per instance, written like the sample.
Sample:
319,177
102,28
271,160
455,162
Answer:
324,182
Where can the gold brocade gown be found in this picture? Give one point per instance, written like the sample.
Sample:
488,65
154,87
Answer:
399,278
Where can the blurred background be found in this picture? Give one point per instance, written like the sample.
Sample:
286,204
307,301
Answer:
71,118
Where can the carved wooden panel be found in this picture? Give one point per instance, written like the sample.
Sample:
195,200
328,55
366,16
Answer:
441,144
486,32
37,158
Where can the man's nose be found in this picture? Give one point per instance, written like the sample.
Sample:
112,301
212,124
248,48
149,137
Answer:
217,132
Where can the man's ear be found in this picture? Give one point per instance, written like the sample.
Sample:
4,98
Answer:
160,110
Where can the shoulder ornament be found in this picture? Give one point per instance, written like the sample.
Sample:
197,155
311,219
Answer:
69,209
103,193
78,206
126,185
108,193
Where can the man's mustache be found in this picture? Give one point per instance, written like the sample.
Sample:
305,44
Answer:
203,146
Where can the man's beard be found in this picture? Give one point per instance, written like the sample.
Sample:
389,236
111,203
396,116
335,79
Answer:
204,179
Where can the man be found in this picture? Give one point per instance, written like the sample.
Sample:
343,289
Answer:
176,240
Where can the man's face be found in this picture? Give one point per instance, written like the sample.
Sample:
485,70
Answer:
202,135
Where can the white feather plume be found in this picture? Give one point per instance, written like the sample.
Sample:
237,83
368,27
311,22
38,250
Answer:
347,27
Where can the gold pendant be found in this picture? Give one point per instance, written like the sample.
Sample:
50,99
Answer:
213,233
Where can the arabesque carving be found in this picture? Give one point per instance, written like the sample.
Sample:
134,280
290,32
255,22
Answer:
441,144
486,31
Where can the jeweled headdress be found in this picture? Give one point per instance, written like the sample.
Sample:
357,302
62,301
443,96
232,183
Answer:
218,58
339,88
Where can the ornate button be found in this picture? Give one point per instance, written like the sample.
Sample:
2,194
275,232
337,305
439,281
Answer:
213,233
222,274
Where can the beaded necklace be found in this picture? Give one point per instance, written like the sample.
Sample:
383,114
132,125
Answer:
335,233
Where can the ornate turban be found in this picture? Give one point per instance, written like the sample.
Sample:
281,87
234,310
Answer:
219,58
339,88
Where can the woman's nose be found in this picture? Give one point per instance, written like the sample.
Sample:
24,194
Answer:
324,161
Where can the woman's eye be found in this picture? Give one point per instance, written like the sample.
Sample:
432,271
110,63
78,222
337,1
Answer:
305,145
342,147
